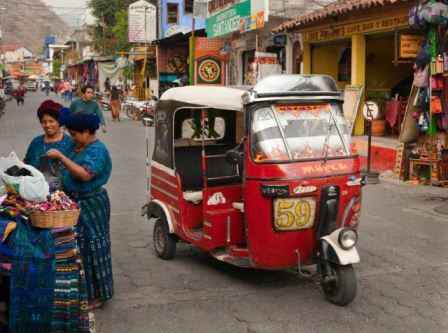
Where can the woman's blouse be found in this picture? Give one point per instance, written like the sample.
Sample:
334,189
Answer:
39,148
95,158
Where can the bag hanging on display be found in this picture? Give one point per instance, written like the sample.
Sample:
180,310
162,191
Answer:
437,82
439,65
416,20
421,78
435,13
445,62
436,105
423,57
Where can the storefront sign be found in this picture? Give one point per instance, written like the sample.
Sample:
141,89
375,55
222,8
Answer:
347,30
229,20
410,46
142,22
241,16
209,71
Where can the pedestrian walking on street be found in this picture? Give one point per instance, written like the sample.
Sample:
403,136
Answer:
88,167
19,94
50,116
115,103
88,105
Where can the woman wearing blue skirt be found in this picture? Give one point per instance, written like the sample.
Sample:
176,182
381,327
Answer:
87,168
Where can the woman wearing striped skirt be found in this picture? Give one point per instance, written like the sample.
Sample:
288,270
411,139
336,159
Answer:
88,167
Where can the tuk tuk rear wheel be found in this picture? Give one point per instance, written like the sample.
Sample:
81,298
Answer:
164,242
342,290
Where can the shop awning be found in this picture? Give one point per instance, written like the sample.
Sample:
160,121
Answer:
341,7
180,37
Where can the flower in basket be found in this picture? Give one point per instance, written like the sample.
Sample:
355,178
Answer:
57,201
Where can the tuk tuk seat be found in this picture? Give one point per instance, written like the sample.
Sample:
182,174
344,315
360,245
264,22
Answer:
219,171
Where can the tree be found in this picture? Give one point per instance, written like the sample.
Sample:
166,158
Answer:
120,31
110,33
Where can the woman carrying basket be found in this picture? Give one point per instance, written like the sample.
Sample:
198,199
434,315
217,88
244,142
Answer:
88,167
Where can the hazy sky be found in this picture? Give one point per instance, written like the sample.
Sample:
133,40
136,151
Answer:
70,10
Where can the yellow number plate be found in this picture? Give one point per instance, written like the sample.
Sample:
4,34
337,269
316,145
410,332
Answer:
294,214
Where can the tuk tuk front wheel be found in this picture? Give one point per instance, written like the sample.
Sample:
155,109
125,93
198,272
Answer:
164,242
342,287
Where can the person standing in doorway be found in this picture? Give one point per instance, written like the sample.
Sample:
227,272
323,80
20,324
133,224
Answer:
87,104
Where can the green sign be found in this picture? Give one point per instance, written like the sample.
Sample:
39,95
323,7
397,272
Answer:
232,19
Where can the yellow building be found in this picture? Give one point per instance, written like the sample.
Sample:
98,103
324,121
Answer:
364,43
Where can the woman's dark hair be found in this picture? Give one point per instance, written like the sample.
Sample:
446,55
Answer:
49,108
82,122
87,86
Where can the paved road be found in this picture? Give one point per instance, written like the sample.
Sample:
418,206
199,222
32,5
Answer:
404,250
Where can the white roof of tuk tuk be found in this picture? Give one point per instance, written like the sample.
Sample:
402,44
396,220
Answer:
222,98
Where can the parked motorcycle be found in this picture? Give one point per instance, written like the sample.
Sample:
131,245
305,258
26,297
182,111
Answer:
137,110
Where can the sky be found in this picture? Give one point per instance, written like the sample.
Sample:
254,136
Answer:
71,10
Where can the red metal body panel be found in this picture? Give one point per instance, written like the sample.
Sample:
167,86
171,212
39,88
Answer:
271,249
212,224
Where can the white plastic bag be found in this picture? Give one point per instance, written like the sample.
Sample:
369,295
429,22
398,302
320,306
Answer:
32,188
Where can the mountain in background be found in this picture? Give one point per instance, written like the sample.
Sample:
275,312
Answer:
28,22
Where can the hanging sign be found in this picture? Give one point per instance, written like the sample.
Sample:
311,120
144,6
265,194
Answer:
142,18
410,46
209,71
229,16
228,20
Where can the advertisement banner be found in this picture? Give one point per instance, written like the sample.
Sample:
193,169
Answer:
142,22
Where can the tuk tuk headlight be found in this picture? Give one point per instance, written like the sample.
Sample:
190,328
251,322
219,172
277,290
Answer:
348,238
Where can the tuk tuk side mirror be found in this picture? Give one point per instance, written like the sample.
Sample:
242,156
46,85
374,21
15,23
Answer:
148,122
233,157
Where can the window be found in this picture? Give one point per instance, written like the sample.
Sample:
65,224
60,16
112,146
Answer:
173,13
189,129
188,6
299,132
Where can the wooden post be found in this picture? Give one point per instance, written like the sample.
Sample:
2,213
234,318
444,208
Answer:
306,58
359,74
192,52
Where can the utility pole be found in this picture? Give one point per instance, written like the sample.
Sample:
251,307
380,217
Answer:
2,9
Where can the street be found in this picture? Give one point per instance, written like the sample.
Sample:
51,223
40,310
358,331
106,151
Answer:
402,274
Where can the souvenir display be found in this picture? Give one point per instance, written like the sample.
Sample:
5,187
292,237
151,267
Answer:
39,252
428,159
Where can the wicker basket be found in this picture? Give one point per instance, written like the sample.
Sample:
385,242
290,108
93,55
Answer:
54,219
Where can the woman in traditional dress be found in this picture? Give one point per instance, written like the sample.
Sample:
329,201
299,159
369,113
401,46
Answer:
88,167
50,116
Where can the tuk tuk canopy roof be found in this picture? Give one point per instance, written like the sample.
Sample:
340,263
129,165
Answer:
208,96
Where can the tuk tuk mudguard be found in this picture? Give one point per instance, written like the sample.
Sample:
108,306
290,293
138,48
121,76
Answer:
332,252
155,209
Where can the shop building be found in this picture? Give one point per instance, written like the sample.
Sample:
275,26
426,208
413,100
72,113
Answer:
370,45
358,44
177,29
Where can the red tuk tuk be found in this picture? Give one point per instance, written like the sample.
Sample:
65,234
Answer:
263,178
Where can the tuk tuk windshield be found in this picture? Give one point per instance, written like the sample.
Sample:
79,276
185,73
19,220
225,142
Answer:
293,132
